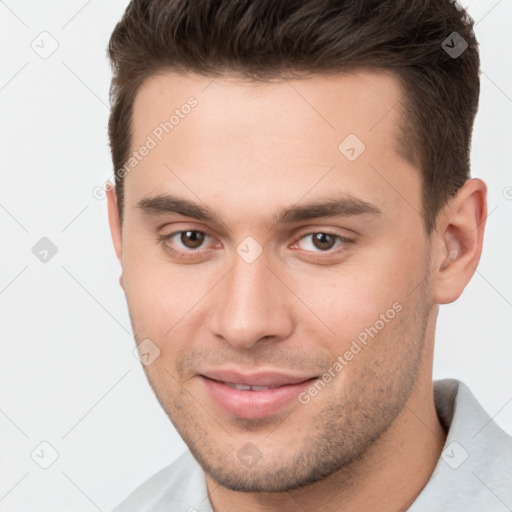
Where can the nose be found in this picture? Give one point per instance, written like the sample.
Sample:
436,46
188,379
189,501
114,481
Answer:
251,305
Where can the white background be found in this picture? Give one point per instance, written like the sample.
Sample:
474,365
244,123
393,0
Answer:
67,372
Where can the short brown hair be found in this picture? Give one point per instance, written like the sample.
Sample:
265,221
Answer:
264,39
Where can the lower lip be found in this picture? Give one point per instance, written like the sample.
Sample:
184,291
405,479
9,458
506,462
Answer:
253,404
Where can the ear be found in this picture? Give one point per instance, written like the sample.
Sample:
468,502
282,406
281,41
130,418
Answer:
458,240
115,224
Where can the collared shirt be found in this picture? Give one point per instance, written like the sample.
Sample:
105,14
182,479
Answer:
473,474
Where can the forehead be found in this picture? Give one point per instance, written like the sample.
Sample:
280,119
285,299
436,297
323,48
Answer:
357,102
211,135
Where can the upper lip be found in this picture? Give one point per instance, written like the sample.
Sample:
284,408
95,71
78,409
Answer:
268,378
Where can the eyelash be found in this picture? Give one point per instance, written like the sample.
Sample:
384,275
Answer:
181,255
192,253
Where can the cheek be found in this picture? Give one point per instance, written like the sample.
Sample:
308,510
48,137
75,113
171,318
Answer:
161,296
354,296
151,293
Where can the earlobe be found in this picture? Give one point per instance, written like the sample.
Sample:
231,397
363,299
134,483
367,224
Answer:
460,229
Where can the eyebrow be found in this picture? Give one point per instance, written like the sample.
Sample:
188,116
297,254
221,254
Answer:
343,206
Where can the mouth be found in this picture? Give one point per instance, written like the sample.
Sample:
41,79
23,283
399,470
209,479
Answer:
253,396
243,387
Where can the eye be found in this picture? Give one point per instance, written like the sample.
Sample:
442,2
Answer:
189,243
321,241
183,240
191,239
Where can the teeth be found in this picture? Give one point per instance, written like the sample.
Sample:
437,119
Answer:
242,387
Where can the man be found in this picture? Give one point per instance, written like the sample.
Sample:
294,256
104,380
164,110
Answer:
292,205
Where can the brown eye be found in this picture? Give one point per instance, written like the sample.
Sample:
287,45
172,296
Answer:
323,241
192,239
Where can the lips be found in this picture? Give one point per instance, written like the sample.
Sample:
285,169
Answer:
255,395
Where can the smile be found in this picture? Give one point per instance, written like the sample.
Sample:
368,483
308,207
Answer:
253,396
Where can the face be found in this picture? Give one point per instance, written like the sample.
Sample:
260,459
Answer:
274,254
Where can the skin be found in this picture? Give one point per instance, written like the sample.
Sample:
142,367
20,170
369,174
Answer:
247,151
